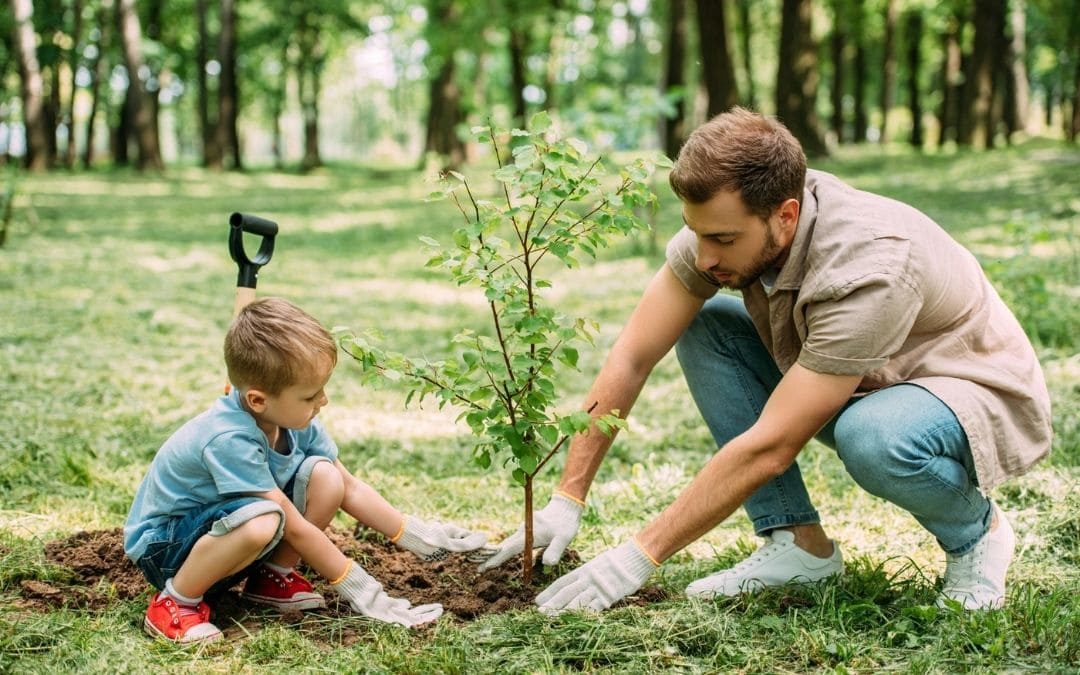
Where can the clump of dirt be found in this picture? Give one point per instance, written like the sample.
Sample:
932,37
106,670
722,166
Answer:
102,573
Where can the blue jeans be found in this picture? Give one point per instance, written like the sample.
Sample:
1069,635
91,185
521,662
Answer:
900,443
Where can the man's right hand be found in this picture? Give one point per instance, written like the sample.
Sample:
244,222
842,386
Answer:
554,526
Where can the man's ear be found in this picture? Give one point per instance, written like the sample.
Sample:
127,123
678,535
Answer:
788,215
254,400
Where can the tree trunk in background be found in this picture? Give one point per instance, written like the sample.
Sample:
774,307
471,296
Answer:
989,18
1019,95
673,129
888,69
444,115
73,67
24,42
99,73
913,34
52,113
555,45
211,153
745,34
121,135
717,70
153,10
517,74
145,133
1074,126
227,140
951,92
837,42
859,76
797,77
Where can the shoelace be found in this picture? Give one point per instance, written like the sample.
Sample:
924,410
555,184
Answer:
763,553
178,612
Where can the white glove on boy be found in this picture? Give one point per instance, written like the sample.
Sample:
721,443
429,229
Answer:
366,596
430,540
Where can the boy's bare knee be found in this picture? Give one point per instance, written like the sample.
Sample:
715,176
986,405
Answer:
326,483
261,530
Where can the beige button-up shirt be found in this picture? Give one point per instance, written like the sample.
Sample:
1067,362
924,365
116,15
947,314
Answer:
874,287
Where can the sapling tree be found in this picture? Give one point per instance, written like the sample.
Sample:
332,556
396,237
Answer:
553,203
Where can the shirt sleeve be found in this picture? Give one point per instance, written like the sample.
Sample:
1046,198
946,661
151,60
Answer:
238,465
681,255
316,441
859,329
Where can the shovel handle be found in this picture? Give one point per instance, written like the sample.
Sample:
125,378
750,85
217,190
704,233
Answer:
239,223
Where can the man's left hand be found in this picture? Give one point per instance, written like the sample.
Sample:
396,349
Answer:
599,583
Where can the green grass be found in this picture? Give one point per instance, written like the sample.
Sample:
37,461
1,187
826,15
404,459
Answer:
116,289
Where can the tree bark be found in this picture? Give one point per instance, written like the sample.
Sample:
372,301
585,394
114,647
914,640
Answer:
717,69
37,149
1019,94
913,34
859,76
989,18
888,69
228,143
145,132
211,153
745,34
837,42
951,88
797,77
444,115
1074,126
73,66
99,73
517,74
672,129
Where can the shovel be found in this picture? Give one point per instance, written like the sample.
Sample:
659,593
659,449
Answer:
248,274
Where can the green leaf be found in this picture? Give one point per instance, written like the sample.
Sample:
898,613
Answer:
540,122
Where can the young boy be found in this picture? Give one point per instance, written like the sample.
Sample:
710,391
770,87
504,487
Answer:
247,488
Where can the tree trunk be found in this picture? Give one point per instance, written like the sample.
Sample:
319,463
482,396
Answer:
949,113
444,115
672,129
1074,126
913,33
744,43
145,132
73,67
797,77
1016,113
37,149
859,76
517,75
888,69
718,72
989,18
52,112
312,156
211,153
228,145
837,42
527,550
99,73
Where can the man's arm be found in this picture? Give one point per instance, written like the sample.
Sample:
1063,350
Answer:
802,403
665,310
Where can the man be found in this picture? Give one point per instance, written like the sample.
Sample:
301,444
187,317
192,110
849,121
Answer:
861,322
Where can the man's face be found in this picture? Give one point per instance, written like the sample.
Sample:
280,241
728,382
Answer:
734,246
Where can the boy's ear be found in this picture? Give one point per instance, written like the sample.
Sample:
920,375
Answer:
254,400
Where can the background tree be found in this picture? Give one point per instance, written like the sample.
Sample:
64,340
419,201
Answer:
673,85
37,151
888,68
718,71
141,114
797,77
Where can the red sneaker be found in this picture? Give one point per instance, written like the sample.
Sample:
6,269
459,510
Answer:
289,592
180,623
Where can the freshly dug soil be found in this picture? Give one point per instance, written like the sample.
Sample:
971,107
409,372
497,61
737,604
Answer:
101,573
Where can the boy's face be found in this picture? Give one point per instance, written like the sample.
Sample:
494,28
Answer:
296,405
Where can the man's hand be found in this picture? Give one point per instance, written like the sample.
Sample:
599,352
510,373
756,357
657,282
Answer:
553,528
366,596
599,583
430,540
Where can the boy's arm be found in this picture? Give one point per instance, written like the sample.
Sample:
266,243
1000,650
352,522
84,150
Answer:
363,502
309,541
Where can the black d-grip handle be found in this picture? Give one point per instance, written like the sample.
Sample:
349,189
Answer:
249,269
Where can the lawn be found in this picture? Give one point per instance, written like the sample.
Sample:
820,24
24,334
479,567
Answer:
115,292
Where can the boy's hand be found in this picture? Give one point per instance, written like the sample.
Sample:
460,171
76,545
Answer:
553,528
366,596
430,540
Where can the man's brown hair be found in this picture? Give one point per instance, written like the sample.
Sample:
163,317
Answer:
745,152
272,342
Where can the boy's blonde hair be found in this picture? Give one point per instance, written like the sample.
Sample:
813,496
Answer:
272,342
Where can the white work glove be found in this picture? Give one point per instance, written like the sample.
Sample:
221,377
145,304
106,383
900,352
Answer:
366,596
599,583
553,528
430,540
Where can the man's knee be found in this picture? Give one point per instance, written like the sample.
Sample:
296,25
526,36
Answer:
718,318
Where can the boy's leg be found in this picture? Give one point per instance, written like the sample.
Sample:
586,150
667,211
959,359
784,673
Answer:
218,557
316,489
731,375
904,445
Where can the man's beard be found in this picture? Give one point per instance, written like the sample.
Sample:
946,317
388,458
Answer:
766,259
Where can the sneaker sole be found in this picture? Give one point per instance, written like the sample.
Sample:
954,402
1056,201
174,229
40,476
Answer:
288,605
153,632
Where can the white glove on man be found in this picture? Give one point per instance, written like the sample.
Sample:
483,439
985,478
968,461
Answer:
366,596
599,583
430,540
553,528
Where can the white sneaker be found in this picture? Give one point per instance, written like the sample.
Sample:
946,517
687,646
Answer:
976,579
776,563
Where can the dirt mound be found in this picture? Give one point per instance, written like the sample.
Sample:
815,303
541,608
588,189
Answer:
101,573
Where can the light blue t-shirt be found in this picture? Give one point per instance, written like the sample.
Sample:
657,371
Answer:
215,456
